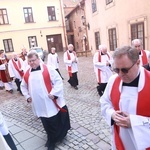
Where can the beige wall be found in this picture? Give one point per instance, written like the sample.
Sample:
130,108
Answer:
19,31
119,14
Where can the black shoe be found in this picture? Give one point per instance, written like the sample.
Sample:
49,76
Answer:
51,147
76,87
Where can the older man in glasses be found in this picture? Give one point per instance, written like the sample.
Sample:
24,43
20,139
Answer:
125,103
143,54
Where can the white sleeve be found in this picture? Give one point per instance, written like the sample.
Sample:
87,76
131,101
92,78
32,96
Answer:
107,108
3,144
66,61
10,69
97,64
141,131
24,89
2,67
57,84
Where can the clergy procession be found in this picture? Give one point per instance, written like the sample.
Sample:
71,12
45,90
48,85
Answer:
97,102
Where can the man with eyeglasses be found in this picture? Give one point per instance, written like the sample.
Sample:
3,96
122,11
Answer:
125,103
42,87
143,54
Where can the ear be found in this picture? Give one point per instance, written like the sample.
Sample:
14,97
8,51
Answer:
138,62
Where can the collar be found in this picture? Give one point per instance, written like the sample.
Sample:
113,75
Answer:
38,68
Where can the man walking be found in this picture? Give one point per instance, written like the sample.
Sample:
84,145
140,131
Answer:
42,87
71,61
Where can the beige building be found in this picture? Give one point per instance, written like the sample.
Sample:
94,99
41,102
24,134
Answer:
116,22
31,23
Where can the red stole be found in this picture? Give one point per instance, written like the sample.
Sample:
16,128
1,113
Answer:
99,70
142,109
18,67
69,67
47,81
144,57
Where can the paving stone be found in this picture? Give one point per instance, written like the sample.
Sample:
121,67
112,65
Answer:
84,109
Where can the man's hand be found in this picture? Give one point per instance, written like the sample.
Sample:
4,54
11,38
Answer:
121,119
51,96
29,100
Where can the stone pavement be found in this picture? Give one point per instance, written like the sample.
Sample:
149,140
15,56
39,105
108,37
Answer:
89,130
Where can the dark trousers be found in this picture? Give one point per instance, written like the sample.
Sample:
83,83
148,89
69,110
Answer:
18,82
100,88
56,126
10,141
59,73
73,80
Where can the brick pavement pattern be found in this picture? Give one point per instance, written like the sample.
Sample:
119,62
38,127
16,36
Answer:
89,130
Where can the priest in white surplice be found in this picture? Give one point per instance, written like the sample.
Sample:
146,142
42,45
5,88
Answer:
102,61
125,103
53,60
42,87
15,68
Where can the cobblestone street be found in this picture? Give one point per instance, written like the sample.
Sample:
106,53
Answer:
89,130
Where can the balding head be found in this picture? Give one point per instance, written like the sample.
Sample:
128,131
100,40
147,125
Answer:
137,43
70,47
103,49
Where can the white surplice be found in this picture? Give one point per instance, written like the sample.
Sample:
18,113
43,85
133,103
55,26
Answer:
74,65
42,105
105,70
136,137
140,56
12,70
52,60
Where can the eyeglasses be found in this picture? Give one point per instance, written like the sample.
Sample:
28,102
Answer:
123,70
33,60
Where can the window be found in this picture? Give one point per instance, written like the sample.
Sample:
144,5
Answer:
94,7
32,41
112,39
97,39
51,13
108,1
8,46
28,14
3,16
137,32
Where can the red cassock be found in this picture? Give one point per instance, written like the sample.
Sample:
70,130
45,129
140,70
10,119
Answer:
4,74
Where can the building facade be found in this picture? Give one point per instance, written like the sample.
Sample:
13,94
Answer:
30,23
76,27
115,23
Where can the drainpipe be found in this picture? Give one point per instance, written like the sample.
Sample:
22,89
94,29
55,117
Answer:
63,24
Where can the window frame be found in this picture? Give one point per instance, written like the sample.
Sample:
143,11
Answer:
137,32
108,2
32,40
49,9
29,18
94,6
97,39
112,37
8,48
4,16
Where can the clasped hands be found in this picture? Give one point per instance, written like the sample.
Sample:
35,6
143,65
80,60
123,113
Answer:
121,119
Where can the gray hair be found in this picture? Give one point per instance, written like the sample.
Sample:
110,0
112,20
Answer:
101,47
136,41
32,53
131,52
70,45
53,48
